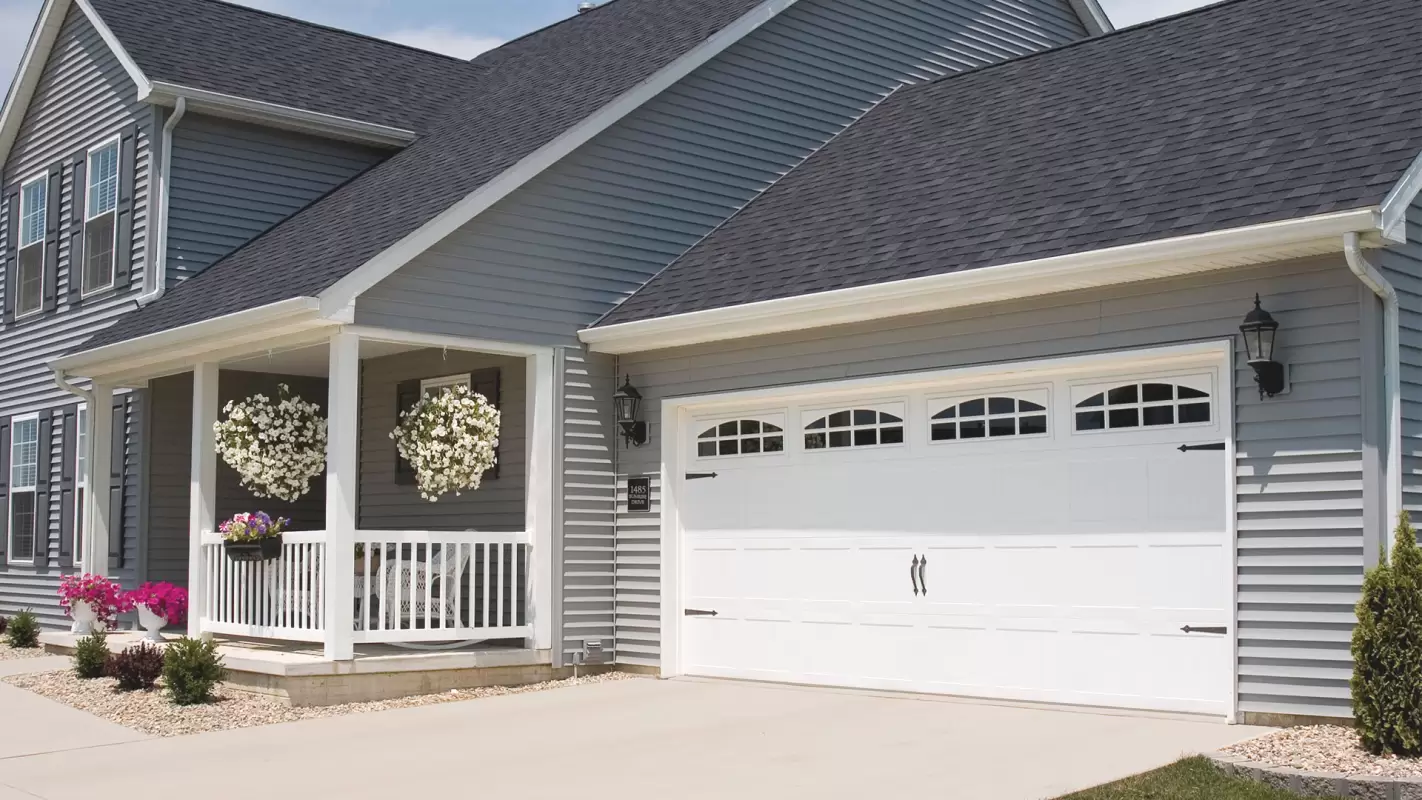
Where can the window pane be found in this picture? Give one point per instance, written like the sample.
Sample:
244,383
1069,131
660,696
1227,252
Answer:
750,426
103,180
705,449
1194,412
891,436
772,428
1159,415
750,446
711,434
24,453
1001,405
99,253
729,447
887,418
972,429
1028,425
814,441
1123,394
1125,418
839,419
1157,392
1002,427
1093,401
839,439
865,437
1186,393
816,425
728,429
774,444
1090,420
862,417
947,413
945,432
22,526
78,522
33,206
972,408
1023,405
31,280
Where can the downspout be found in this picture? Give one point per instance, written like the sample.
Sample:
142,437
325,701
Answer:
158,262
1392,378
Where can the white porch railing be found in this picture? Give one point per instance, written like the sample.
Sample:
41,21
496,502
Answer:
408,586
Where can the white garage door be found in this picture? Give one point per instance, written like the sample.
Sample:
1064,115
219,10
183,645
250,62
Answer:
1029,538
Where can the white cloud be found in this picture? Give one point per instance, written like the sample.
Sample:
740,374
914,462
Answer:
445,40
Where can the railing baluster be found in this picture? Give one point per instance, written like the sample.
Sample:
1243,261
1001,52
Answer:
484,549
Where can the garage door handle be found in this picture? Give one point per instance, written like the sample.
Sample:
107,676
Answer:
1185,448
922,578
913,575
1195,629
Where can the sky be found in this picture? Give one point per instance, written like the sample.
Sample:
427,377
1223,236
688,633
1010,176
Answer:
463,28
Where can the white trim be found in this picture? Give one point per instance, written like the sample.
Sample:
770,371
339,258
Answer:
12,490
129,65
1182,255
539,513
677,412
415,338
1228,399
115,142
1399,200
464,379
342,487
81,478
297,119
96,513
347,289
1093,16
202,487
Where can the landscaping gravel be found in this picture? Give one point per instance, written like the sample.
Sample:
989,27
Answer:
152,713
1323,748
8,653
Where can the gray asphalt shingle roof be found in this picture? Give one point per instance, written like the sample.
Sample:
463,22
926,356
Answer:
1247,112
243,52
530,91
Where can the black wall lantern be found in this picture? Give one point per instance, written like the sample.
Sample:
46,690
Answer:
628,405
1259,330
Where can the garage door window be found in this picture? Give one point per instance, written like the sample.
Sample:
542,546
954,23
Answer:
986,417
740,437
857,427
1137,405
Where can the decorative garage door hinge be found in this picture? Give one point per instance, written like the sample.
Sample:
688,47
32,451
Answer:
691,476
1185,448
1193,629
697,612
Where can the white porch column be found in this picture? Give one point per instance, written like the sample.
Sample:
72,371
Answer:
96,492
342,484
538,514
202,494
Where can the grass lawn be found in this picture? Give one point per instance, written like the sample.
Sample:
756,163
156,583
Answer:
1191,779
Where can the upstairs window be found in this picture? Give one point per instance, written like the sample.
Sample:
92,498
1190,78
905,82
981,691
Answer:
1137,405
858,427
100,218
741,437
989,417
29,273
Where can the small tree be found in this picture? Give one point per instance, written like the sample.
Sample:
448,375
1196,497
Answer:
1387,651
91,654
23,631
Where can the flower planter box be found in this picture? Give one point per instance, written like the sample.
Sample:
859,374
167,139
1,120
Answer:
266,549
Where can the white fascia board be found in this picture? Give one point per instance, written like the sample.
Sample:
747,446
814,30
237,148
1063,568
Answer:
1163,258
1399,201
247,110
194,339
129,65
347,289
1093,16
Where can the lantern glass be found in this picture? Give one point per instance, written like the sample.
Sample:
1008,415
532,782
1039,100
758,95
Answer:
1259,329
627,402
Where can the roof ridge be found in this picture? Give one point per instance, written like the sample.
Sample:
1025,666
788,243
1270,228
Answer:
333,29
550,26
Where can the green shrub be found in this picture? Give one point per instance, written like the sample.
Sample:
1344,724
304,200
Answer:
90,656
24,630
1387,651
4,623
137,667
192,668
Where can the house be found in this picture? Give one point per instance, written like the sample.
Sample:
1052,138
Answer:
361,222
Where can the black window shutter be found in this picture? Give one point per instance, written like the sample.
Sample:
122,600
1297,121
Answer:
45,464
407,394
69,434
77,212
123,259
12,246
117,473
486,382
4,485
50,290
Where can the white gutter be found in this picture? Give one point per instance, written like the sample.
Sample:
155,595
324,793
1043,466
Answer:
1182,255
1392,378
62,380
157,277
245,109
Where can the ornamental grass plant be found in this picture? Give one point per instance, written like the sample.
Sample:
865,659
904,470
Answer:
23,631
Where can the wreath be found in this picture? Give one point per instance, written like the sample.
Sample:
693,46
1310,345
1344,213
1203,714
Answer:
276,448
450,438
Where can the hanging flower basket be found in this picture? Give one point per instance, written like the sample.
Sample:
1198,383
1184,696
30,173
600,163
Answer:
253,537
450,438
276,448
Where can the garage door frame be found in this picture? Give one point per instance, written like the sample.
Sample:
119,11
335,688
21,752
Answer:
677,412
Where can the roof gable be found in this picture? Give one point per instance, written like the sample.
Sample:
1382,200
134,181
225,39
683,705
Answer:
1248,112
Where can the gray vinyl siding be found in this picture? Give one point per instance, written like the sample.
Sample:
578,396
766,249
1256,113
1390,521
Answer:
580,237
232,181
1403,267
83,98
498,505
586,497
1299,463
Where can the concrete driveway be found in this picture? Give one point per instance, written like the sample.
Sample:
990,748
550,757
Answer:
638,738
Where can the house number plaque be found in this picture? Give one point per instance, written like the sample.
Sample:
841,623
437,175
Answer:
639,494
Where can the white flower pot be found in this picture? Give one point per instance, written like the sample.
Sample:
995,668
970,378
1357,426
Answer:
84,617
152,623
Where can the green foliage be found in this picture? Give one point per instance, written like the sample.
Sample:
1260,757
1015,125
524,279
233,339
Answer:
1191,779
90,656
192,668
1387,651
4,623
23,631
137,667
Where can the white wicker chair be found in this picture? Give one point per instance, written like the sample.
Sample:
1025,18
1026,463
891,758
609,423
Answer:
421,574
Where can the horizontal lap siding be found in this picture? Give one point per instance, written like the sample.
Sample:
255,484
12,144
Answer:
83,98
583,235
231,181
1300,486
1403,266
588,495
